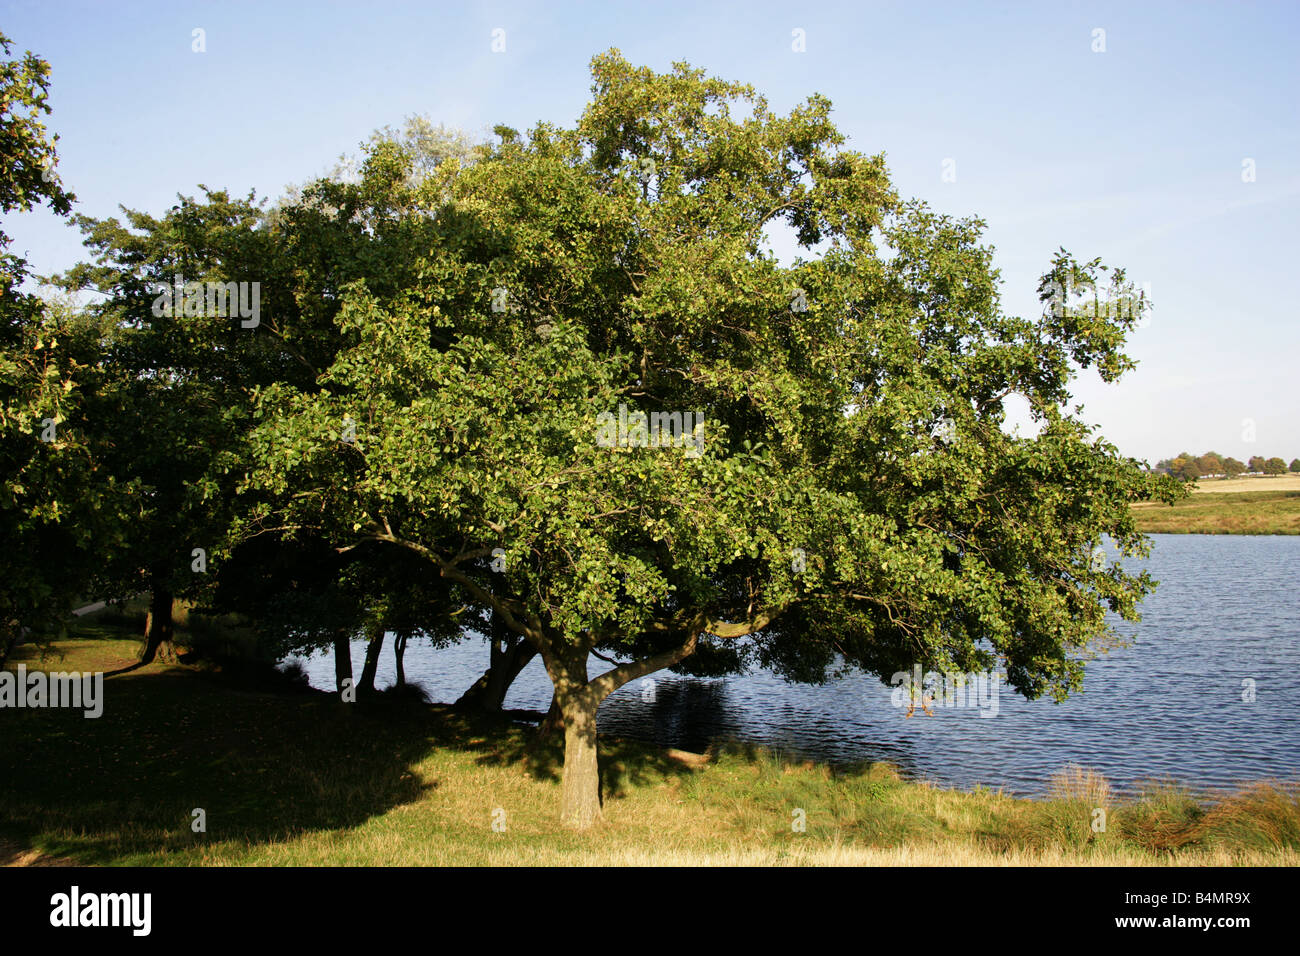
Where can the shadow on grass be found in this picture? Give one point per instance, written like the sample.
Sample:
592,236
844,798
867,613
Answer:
261,766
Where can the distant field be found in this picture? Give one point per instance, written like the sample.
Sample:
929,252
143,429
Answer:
1289,482
1218,508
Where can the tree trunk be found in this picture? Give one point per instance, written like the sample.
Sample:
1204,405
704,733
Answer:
342,661
580,785
553,723
580,781
371,666
158,628
579,701
399,655
508,657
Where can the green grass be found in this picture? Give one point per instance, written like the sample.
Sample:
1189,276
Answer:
1243,512
304,779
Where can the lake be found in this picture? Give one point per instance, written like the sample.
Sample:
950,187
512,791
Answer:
1223,627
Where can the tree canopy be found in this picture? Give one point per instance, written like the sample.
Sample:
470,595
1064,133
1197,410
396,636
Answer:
844,495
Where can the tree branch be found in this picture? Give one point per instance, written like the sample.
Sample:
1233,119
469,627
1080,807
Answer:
610,681
449,570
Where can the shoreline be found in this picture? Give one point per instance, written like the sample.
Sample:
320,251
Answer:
300,779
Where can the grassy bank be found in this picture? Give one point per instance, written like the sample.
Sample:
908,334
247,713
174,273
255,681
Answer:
1270,511
299,778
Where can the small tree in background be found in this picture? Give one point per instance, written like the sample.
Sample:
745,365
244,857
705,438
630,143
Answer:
1210,464
1185,468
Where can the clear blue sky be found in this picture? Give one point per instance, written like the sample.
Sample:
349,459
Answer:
1134,154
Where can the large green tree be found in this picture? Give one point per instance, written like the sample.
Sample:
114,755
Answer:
844,492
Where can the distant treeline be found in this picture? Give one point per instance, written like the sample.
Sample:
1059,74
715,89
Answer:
1212,464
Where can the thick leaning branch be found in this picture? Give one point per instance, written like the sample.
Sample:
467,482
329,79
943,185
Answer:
756,624
610,681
